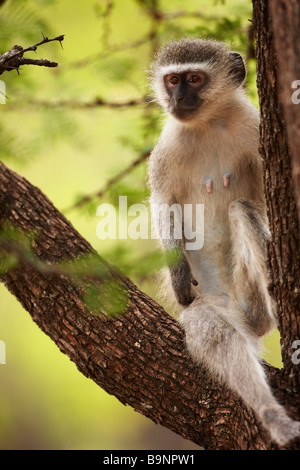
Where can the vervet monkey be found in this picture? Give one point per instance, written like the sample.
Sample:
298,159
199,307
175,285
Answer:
208,154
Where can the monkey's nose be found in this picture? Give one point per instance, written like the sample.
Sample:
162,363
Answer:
179,98
175,102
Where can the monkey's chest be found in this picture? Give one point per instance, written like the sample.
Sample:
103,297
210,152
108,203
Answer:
210,194
215,181
212,188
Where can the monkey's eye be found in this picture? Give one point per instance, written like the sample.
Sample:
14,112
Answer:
171,80
195,79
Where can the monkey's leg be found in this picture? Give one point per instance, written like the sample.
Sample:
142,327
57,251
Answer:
231,355
249,234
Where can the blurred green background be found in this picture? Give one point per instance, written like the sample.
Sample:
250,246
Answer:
70,151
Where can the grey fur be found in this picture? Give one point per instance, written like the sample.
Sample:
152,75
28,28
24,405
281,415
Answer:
212,158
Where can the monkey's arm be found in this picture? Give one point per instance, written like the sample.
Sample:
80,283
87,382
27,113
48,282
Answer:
169,226
182,280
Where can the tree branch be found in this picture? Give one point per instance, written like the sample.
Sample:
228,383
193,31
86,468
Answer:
139,357
13,58
95,103
159,16
109,50
115,179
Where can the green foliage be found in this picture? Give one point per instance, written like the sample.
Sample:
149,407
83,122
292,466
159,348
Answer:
19,21
110,297
12,147
102,293
12,240
12,233
56,125
7,262
114,69
223,29
117,69
85,266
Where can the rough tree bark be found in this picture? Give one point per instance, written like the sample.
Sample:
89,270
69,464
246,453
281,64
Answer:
276,149
140,356
285,17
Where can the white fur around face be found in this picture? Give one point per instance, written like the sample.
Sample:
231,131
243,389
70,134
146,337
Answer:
187,67
219,87
158,79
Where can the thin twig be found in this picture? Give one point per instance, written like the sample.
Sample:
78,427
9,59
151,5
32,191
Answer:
111,49
189,14
85,269
159,16
22,254
40,62
100,193
97,102
73,104
13,58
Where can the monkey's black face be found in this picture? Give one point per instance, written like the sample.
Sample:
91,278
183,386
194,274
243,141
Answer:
184,90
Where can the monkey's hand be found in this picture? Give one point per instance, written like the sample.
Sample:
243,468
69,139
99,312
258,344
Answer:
182,282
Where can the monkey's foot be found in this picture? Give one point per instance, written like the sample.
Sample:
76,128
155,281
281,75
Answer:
282,428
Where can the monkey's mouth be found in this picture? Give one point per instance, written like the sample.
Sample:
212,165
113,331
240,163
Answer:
184,113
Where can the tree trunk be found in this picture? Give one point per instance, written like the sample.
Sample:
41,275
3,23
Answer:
139,356
279,185
285,17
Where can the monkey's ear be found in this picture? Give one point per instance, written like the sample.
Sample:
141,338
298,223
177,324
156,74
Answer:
237,68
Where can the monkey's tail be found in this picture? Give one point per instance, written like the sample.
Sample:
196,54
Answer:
216,340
